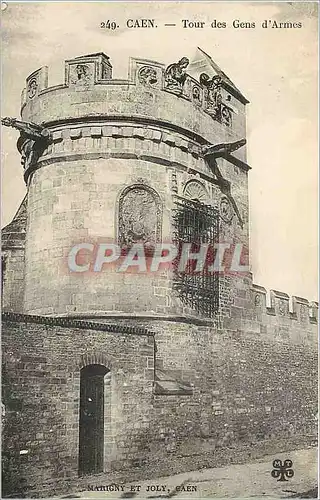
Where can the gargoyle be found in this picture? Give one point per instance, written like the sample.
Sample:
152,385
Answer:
33,140
210,154
30,129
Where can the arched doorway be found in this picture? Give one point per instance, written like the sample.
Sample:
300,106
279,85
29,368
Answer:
91,419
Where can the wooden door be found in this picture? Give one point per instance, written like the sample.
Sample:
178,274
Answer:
91,424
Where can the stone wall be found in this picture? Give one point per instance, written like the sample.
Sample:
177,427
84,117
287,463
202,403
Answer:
13,238
40,387
251,393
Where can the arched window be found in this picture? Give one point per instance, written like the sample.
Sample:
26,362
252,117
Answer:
139,216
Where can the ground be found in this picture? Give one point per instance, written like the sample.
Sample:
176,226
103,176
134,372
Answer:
250,480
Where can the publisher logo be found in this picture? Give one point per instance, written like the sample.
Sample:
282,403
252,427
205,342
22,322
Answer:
282,470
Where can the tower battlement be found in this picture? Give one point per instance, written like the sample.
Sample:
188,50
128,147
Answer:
280,304
205,108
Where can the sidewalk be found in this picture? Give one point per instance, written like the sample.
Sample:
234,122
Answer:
251,480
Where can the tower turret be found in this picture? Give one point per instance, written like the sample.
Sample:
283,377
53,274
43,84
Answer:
154,158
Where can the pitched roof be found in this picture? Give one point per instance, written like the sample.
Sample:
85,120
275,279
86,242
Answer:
206,61
14,234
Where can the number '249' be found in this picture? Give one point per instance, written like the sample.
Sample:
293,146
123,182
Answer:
110,25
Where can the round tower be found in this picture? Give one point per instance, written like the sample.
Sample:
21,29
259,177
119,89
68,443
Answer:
128,162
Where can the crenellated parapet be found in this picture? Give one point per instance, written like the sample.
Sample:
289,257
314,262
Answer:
151,89
158,114
297,309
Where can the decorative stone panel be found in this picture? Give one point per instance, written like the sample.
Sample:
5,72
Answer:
194,190
36,82
85,71
140,218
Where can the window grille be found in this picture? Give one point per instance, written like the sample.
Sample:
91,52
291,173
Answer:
196,223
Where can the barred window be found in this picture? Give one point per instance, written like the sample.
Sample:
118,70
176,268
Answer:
196,223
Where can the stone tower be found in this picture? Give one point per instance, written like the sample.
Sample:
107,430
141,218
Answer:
122,156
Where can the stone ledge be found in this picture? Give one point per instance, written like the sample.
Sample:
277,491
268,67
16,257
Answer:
66,322
136,141
156,159
142,132
167,385
186,319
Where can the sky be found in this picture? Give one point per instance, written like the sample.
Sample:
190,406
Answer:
275,68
